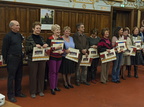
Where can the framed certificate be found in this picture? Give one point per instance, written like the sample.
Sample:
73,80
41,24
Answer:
121,44
93,53
72,58
108,56
73,55
40,54
133,51
138,44
56,43
86,61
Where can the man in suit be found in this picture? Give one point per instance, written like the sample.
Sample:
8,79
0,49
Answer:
81,43
12,54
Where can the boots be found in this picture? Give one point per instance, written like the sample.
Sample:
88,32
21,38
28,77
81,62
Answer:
135,72
129,71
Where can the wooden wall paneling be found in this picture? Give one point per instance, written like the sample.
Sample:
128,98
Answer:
81,17
22,15
135,17
10,15
58,17
98,20
105,21
92,21
87,22
65,20
73,21
3,19
33,16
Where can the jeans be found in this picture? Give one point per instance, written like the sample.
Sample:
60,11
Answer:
116,67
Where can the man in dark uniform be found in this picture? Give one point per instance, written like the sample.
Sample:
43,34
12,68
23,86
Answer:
12,54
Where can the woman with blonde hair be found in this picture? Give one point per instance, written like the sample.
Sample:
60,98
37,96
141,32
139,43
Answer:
55,59
67,66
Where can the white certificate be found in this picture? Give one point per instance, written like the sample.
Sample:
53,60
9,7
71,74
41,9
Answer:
132,51
93,53
40,54
121,44
86,61
137,44
73,55
73,52
72,58
56,43
108,56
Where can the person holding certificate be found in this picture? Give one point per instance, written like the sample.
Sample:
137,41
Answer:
119,55
67,66
104,45
93,42
36,68
126,61
81,43
137,59
55,58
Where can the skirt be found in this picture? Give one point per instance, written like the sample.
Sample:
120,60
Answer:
126,60
138,59
67,66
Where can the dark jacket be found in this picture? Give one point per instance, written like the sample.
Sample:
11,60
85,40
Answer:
12,44
103,45
80,42
29,46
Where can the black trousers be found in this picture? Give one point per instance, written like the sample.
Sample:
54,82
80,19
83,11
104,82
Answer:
91,73
14,68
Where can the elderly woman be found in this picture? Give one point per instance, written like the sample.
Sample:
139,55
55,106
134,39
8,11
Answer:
93,42
36,68
104,45
67,66
137,59
55,59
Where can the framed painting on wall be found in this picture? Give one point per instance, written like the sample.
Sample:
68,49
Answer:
46,18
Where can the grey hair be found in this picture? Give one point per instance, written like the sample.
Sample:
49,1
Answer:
11,24
78,25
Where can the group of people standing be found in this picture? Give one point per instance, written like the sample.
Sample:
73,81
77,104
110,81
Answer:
12,54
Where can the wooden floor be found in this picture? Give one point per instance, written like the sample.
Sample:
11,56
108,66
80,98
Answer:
128,93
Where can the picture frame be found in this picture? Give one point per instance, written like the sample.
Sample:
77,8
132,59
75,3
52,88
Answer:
46,18
56,43
86,61
93,53
133,51
108,56
73,52
138,44
40,54
121,44
73,55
